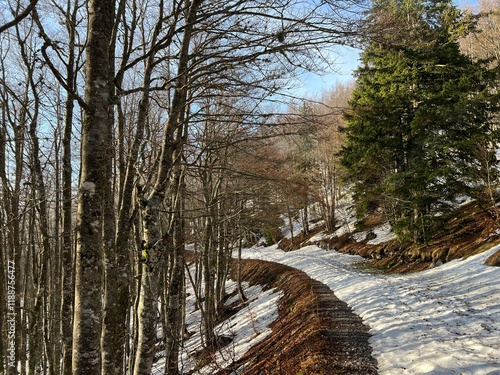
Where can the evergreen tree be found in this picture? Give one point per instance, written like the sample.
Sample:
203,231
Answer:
419,109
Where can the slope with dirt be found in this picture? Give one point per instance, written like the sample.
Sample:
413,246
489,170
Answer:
469,230
307,349
315,333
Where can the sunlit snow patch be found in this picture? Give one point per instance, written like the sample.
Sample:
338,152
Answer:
248,327
383,234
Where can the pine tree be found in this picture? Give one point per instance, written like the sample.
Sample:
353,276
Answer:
419,108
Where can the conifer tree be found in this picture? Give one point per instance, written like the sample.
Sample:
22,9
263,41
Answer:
419,108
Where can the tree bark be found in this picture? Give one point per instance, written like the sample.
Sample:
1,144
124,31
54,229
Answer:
175,301
149,290
148,299
92,190
67,212
38,313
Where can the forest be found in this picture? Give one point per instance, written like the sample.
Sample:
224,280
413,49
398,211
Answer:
138,134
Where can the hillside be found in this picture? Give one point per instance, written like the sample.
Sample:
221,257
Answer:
468,231
314,333
440,321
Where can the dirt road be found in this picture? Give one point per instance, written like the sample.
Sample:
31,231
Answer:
315,333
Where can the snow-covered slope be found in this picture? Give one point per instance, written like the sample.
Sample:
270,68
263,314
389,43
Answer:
442,321
246,328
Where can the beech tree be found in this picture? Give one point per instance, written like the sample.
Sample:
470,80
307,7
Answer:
483,42
18,15
310,165
16,111
66,67
482,45
245,59
330,138
94,190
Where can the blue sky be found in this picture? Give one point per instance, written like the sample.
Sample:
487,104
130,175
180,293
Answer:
345,64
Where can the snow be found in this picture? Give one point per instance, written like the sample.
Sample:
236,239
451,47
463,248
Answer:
248,327
442,321
383,233
298,224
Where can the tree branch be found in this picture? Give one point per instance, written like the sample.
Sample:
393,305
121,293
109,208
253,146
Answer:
20,17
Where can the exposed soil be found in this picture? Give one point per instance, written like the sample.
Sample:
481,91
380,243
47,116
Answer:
315,333
468,231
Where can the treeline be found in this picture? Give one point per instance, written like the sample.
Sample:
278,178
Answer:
422,124
128,130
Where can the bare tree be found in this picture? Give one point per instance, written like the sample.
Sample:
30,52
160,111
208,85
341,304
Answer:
330,138
145,66
16,111
483,42
94,188
67,77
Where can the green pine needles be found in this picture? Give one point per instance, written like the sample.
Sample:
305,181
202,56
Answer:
419,113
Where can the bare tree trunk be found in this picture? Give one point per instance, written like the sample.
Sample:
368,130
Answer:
208,281
148,316
116,280
38,316
329,193
41,258
223,256
290,222
116,301
53,343
136,292
305,215
32,306
117,293
4,257
148,295
67,245
241,294
67,211
5,268
11,191
93,188
176,283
